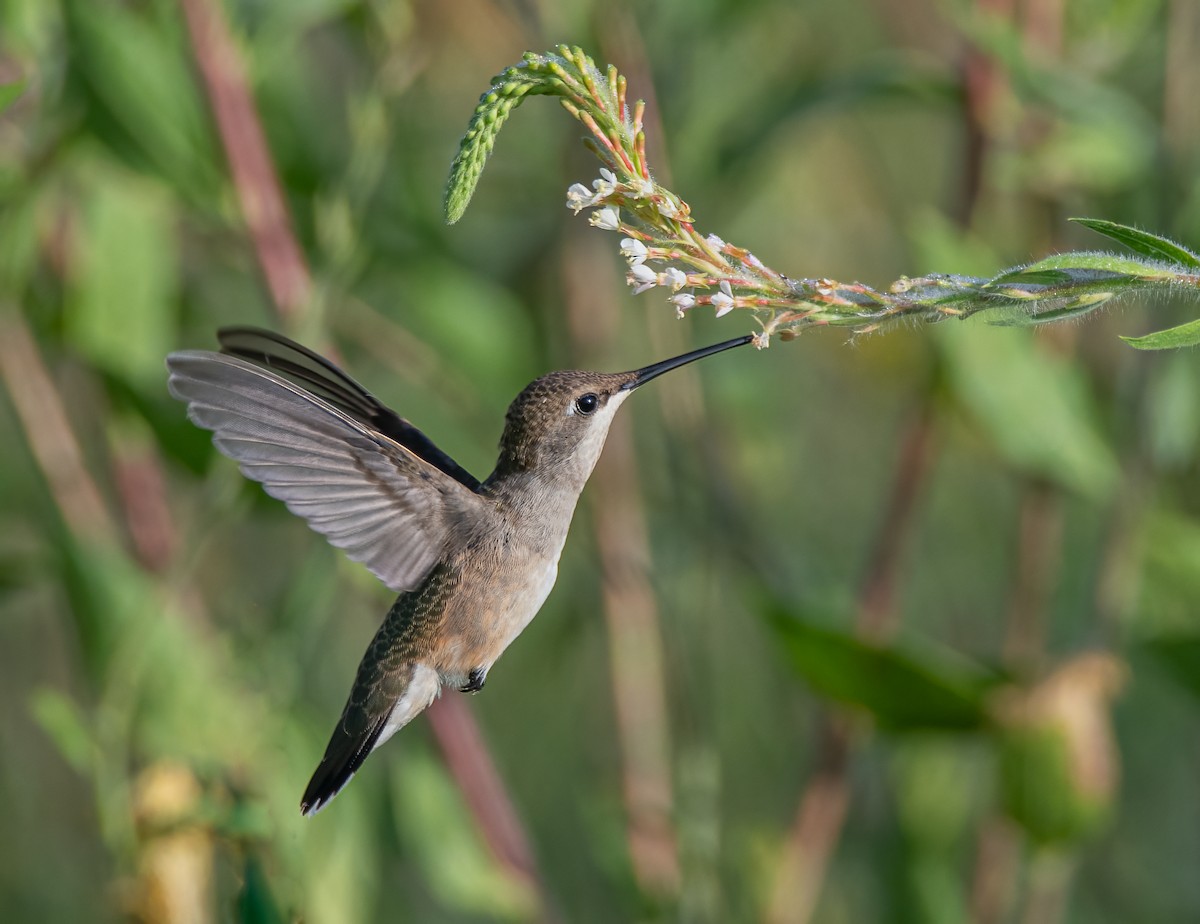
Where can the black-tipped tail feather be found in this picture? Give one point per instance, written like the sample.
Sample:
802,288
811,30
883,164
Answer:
344,754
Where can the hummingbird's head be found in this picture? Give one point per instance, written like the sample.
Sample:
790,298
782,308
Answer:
559,422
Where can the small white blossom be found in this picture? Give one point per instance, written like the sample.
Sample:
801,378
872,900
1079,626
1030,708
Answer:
606,185
714,242
579,197
674,278
682,302
606,219
641,277
723,300
668,209
646,190
634,250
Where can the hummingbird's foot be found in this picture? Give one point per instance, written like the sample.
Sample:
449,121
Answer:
475,681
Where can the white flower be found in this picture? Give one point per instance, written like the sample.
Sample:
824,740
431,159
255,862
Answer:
641,277
668,209
579,197
606,185
646,190
634,250
723,300
682,302
713,241
674,278
606,219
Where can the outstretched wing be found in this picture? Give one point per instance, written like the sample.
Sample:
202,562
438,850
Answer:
318,376
365,492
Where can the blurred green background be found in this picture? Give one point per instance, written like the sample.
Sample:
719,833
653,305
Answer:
897,629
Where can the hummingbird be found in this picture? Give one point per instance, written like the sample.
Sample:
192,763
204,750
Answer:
472,561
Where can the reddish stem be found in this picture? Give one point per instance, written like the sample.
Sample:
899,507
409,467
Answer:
258,190
469,762
586,119
48,431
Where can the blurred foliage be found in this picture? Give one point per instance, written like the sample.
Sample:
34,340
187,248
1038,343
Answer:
900,690
174,646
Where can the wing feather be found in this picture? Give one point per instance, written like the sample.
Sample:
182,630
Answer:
380,502
318,376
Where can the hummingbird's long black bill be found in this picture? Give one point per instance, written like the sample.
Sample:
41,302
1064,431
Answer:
653,371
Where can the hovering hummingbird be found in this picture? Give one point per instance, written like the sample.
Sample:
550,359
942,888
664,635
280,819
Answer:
472,561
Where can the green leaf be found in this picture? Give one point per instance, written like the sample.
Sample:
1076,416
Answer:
1180,655
431,817
1172,410
18,242
62,721
1079,267
1185,335
177,437
1044,310
16,570
1071,307
1035,407
1028,275
121,310
9,93
145,102
1169,543
1143,242
902,690
255,903
935,780
107,592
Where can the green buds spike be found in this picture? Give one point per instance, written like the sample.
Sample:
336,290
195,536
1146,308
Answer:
508,89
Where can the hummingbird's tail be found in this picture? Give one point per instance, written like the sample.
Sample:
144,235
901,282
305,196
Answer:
363,728
343,756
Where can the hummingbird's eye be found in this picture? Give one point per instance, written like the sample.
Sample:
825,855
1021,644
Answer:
586,404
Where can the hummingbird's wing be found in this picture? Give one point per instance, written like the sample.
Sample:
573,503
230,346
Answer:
318,376
365,492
